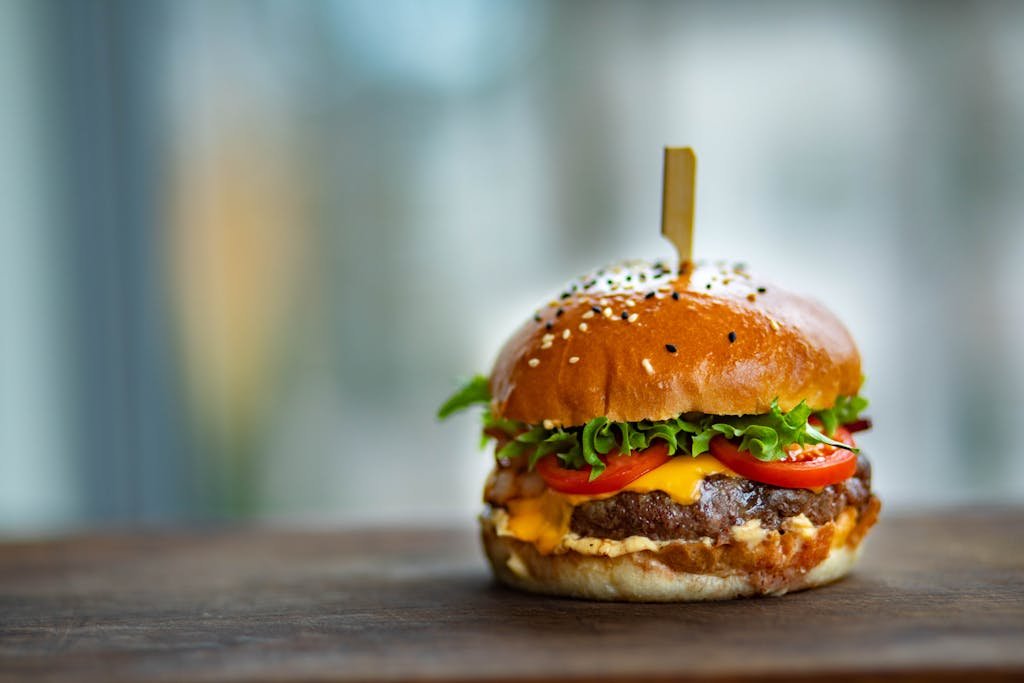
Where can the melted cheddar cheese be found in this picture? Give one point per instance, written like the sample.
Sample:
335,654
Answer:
544,520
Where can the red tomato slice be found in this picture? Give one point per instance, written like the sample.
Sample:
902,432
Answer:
620,470
804,467
858,425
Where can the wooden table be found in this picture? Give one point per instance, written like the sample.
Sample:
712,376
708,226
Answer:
937,596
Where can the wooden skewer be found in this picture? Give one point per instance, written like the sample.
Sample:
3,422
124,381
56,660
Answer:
677,201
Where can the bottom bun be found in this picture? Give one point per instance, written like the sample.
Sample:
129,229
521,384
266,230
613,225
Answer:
685,571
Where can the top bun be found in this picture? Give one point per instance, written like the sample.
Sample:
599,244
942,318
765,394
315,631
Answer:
638,341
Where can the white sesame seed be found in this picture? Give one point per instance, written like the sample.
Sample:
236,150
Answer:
548,337
533,362
630,303
603,302
574,359
566,333
775,324
632,318
647,366
607,312
583,327
588,315
548,424
545,345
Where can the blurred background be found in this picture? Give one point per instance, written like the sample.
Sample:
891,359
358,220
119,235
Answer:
247,248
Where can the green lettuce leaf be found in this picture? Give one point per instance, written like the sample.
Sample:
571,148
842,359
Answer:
472,392
765,436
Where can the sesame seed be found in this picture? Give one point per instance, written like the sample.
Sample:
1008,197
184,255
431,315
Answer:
647,366
607,312
566,333
565,295
574,359
671,348
632,318
609,281
559,312
548,424
547,337
732,337
536,317
533,362
588,315
675,296
630,303
707,286
629,278
548,325
595,309
649,295
603,302
761,290
726,280
775,324
624,315
583,327
751,297
546,345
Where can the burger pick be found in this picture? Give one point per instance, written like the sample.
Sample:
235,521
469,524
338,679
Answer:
674,434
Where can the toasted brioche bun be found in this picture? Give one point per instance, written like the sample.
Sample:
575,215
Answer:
686,571
739,343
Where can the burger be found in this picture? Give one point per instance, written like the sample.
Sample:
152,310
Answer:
665,434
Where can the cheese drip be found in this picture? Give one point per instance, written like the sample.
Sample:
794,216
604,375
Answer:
544,520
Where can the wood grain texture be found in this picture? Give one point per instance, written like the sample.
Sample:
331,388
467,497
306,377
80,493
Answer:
938,596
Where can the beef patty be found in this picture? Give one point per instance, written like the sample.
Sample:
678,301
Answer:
724,502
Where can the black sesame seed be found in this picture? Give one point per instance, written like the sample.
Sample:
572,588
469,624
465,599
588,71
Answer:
707,286
548,325
573,288
595,309
609,281
536,317
625,315
671,348
675,296
643,277
559,312
565,295
732,337
761,290
629,278
649,295
589,283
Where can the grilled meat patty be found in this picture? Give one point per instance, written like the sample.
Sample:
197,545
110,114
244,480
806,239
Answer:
724,501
